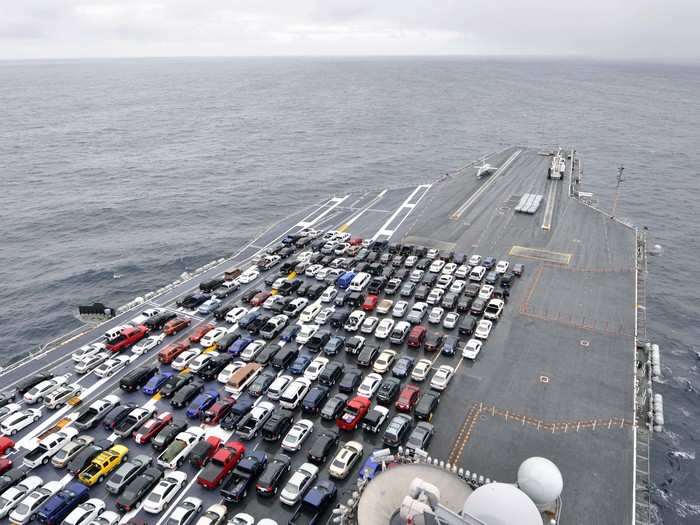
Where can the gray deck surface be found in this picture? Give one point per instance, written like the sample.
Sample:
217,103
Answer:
569,325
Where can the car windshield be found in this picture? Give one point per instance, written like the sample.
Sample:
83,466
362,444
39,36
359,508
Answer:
22,509
153,497
173,450
91,470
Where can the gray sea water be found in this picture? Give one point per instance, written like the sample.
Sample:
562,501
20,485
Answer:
145,168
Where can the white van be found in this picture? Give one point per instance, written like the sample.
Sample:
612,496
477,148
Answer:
359,282
477,273
294,393
310,312
400,332
113,333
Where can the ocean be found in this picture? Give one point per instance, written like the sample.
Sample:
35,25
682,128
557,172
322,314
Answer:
118,175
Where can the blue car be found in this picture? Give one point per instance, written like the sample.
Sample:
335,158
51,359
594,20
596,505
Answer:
290,332
299,365
201,403
449,347
403,366
240,344
488,262
249,318
371,468
156,382
334,345
61,504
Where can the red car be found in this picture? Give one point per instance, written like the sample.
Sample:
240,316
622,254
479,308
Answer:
200,331
355,409
203,451
408,398
355,241
5,465
260,297
5,444
168,353
416,336
218,411
150,428
130,335
223,462
370,303
176,325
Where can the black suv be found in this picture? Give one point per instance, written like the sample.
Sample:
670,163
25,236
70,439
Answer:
137,378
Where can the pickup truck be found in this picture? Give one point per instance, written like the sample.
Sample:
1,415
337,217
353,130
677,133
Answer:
235,486
47,447
93,414
174,455
374,419
224,461
314,504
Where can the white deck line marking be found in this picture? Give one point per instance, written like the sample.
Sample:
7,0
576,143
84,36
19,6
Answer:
411,207
549,207
457,214
336,202
405,204
374,201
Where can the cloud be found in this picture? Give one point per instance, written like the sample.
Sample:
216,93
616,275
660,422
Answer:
93,28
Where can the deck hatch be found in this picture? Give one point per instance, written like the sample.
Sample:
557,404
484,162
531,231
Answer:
541,255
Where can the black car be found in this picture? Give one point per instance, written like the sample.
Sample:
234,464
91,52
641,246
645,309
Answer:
227,340
83,458
314,399
422,292
367,356
193,300
331,374
351,380
269,482
277,425
318,340
261,383
137,378
211,285
449,301
338,318
267,353
304,289
355,299
28,383
429,401
174,383
478,307
7,397
402,273
464,304
388,390
243,405
375,285
249,294
214,366
201,453
423,263
257,323
507,279
429,279
433,341
334,406
284,357
137,489
315,291
186,394
323,445
168,434
354,344
472,290
158,321
11,478
397,430
289,287
115,415
235,486
221,311
421,436
467,325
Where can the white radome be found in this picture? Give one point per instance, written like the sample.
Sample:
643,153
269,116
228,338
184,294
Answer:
502,504
540,479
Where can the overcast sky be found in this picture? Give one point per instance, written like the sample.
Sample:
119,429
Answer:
135,28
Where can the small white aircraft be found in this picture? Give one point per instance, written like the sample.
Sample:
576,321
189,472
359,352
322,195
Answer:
485,169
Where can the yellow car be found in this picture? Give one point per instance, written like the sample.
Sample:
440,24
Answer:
103,464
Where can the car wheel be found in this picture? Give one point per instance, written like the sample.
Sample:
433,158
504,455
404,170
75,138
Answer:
274,491
39,399
100,479
13,431
45,461
125,458
179,463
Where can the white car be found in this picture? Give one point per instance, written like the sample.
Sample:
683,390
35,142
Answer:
214,515
450,320
471,349
410,261
13,495
234,315
212,336
185,358
111,366
246,519
279,385
176,452
149,343
37,393
483,329
502,267
144,316
185,512
249,275
329,294
315,368
9,409
457,286
369,385
294,393
435,315
346,458
307,331
84,513
108,517
486,292
227,372
400,308
252,350
19,420
384,361
87,350
354,321
91,362
384,328
369,324
312,270
441,377
198,362
296,436
324,315
61,395
444,281
432,253
298,484
209,306
435,296
462,272
25,509
449,268
416,276
474,260
421,370
417,312
436,266
322,274
163,493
